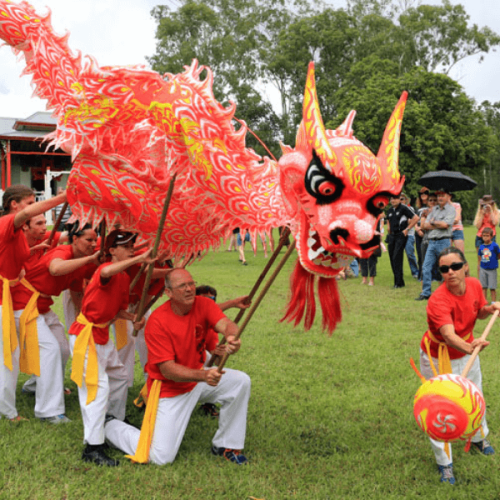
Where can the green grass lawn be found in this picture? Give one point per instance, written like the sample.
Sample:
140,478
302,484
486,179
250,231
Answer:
329,417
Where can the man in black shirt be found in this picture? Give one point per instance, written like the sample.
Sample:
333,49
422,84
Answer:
400,220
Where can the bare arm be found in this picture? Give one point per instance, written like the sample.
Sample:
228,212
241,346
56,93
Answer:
488,310
453,340
60,267
229,329
118,267
180,373
37,208
239,302
413,222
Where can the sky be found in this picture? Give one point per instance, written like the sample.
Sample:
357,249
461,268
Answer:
121,32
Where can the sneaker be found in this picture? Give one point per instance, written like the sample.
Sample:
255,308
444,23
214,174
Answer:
96,455
234,456
29,389
57,419
484,447
446,472
422,297
210,410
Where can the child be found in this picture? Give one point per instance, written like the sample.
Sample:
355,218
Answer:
488,255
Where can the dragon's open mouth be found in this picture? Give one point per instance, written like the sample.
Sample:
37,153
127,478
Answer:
314,257
318,255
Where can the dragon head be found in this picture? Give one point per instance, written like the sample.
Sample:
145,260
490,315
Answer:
335,188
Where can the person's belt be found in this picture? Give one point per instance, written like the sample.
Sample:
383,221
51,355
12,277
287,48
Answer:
439,239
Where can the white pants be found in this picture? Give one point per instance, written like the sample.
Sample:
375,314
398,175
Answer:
457,366
111,394
69,309
57,329
8,380
174,413
127,353
49,396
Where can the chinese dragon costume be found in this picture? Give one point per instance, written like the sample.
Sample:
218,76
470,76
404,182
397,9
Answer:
129,130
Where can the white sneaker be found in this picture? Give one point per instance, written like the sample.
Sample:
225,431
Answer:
57,419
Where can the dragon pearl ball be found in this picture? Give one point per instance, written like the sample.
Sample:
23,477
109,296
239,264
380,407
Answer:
449,407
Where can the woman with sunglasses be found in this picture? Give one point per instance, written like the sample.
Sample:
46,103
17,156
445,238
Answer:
452,312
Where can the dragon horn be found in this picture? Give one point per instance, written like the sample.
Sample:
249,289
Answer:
313,123
345,130
388,154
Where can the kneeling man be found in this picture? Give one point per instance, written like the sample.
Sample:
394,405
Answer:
175,337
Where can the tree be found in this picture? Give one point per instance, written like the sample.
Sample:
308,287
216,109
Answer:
442,128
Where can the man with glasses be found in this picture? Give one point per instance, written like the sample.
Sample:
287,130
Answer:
452,312
176,334
439,223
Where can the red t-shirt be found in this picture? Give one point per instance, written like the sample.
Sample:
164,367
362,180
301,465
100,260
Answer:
154,287
444,308
38,275
14,249
101,303
181,339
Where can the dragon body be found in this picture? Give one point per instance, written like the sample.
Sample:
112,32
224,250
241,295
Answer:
129,130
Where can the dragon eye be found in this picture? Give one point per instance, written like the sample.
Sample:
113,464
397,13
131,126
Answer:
321,184
377,203
327,188
380,202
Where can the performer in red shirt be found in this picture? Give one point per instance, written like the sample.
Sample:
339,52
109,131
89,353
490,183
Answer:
19,206
97,370
452,312
42,333
176,334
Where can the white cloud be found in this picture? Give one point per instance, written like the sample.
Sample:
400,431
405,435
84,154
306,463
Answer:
121,32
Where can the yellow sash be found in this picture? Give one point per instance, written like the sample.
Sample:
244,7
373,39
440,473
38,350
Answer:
148,426
29,357
9,335
121,333
85,340
444,361
142,398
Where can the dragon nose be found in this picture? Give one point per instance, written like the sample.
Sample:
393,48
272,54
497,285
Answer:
338,231
358,230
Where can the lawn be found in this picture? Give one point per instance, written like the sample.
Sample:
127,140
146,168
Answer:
329,417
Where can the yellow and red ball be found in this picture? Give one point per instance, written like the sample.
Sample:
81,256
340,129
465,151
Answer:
449,407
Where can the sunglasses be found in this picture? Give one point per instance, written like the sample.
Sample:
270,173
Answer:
456,266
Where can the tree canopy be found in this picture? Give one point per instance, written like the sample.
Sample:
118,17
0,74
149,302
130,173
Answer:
365,56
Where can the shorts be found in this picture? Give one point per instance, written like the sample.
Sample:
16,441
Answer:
458,234
488,278
238,238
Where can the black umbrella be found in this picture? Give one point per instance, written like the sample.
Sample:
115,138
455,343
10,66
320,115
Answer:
452,181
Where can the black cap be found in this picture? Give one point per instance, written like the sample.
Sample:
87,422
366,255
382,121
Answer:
116,238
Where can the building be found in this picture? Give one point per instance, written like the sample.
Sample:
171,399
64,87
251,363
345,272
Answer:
26,159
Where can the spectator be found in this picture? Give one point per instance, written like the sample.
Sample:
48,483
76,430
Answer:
241,245
400,219
422,204
487,215
457,237
488,255
439,222
410,242
369,266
